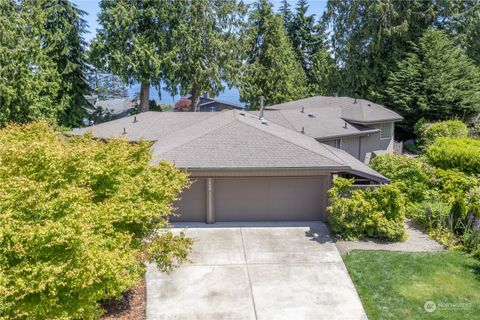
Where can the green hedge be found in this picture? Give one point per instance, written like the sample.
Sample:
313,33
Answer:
455,153
451,128
359,213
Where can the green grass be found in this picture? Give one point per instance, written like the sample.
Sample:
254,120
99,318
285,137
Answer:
396,285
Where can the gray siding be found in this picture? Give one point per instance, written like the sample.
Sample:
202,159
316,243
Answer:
350,145
373,142
360,146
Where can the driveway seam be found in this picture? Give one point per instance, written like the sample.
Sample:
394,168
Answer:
248,274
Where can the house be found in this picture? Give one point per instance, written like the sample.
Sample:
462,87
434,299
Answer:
242,168
207,104
357,126
114,108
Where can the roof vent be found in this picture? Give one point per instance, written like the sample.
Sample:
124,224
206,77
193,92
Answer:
242,113
261,108
135,119
303,130
345,125
369,105
264,121
303,110
311,115
124,131
355,100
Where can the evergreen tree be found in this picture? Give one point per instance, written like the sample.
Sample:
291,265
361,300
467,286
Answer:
306,36
131,42
461,20
287,15
29,83
324,74
368,38
272,69
62,41
436,81
204,46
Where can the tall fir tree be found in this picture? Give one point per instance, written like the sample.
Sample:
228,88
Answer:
63,42
29,85
204,46
131,42
306,35
461,21
436,81
368,38
287,15
272,70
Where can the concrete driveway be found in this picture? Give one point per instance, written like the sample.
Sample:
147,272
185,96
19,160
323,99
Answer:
256,271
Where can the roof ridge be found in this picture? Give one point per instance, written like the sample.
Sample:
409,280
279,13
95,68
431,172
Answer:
157,146
319,144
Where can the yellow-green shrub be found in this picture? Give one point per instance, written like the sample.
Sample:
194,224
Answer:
429,132
359,213
455,153
75,216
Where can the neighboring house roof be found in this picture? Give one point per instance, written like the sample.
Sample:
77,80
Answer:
358,111
185,102
324,123
115,106
232,140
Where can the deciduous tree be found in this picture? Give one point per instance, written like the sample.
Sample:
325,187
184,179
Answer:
79,218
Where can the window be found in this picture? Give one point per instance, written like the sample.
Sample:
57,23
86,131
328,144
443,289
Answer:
386,130
339,143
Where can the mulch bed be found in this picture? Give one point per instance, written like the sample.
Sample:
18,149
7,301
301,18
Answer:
131,307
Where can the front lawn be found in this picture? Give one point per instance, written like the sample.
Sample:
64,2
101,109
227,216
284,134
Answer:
396,285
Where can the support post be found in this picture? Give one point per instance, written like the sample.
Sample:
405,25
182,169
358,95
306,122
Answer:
210,201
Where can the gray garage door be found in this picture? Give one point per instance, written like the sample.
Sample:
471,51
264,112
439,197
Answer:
192,204
270,199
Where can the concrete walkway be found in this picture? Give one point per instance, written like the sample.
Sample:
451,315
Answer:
256,271
417,241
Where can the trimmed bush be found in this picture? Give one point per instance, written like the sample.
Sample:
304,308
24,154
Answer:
78,219
414,174
359,213
455,153
451,128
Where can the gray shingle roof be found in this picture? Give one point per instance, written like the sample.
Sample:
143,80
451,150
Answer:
229,140
353,110
150,126
318,123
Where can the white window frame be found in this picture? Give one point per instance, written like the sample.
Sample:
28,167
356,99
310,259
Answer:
386,130
338,143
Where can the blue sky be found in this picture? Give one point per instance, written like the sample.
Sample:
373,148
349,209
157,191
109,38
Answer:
91,7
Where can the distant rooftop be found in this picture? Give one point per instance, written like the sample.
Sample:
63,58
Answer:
358,111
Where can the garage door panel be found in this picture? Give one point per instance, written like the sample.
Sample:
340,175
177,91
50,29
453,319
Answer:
192,205
270,199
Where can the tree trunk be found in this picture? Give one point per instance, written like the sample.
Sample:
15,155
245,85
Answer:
195,98
144,96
